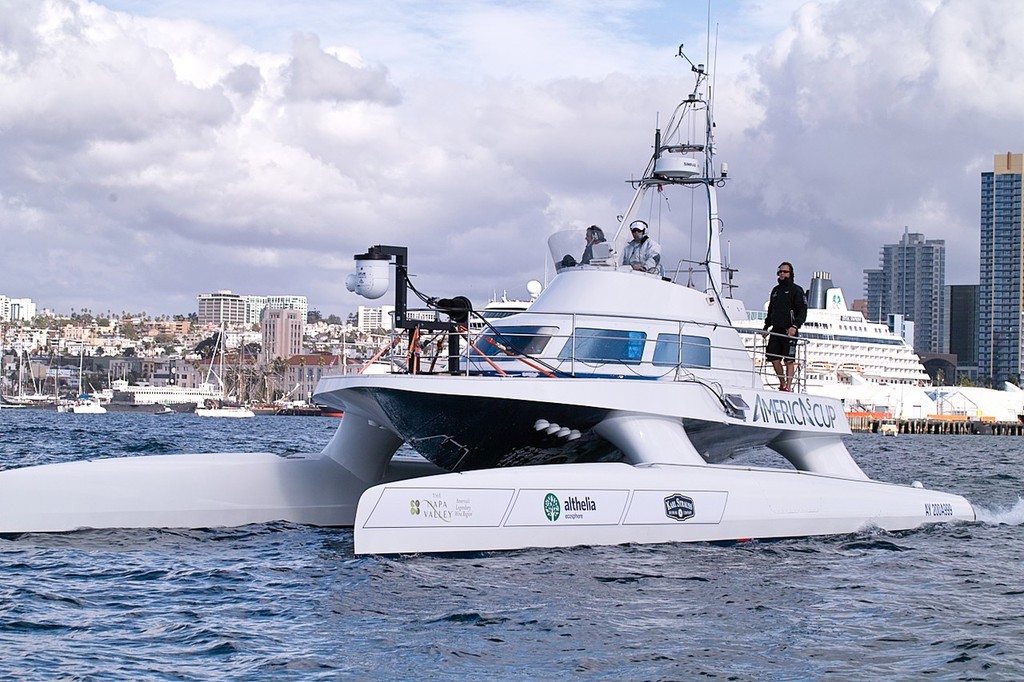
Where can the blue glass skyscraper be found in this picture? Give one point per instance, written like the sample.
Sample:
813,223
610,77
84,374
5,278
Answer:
1000,297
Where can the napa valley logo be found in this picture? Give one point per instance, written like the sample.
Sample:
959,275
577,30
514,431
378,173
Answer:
552,507
436,509
679,507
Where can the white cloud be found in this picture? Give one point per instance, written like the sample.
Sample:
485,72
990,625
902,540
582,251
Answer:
155,150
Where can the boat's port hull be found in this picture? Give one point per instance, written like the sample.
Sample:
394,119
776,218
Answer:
186,491
615,503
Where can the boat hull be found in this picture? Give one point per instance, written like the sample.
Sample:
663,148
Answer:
207,490
616,503
225,412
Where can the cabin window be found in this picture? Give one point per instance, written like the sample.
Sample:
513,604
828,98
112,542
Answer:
682,349
517,340
605,345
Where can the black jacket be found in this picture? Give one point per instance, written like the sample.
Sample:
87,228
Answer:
787,307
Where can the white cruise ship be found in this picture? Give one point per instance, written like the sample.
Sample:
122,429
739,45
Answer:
178,397
842,347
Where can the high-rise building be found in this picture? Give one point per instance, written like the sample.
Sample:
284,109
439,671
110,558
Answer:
16,309
874,296
372,319
255,305
962,323
910,282
282,333
222,307
1000,304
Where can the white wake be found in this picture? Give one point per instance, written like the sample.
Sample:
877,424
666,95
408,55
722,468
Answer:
1013,516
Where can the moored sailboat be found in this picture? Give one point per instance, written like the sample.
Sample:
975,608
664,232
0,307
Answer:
222,407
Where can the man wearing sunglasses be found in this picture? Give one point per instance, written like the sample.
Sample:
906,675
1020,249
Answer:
643,253
787,311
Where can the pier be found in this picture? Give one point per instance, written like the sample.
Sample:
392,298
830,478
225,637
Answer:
946,425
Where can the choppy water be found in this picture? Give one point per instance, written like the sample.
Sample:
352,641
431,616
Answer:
293,603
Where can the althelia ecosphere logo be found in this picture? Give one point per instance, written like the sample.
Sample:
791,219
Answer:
552,507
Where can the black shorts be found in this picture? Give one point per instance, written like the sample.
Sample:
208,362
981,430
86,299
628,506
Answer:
781,347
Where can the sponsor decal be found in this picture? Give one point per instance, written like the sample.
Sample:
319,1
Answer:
552,507
436,508
402,507
572,509
575,508
679,507
547,506
796,410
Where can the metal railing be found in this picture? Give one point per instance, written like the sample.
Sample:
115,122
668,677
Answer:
597,345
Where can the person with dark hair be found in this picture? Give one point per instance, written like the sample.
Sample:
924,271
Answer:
643,253
787,311
595,235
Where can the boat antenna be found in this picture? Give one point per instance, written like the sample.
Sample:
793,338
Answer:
698,69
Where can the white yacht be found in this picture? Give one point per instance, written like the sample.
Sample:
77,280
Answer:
503,306
617,409
225,411
84,404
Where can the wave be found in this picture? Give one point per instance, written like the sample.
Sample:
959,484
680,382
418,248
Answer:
1012,516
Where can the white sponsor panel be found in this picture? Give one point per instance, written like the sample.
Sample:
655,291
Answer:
656,507
548,507
439,507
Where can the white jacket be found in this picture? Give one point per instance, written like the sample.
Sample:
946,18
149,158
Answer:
646,253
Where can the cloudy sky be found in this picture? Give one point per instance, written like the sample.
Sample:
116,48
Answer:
156,149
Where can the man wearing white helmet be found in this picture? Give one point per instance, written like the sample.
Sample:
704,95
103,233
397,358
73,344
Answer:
643,253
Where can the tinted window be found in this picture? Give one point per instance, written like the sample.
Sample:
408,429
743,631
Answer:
687,351
518,340
605,345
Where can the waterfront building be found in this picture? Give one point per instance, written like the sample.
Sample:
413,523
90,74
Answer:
909,281
304,371
1000,304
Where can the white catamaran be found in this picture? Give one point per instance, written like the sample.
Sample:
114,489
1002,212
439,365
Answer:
616,409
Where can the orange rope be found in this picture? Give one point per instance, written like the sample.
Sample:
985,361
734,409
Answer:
381,352
437,352
413,351
521,359
489,361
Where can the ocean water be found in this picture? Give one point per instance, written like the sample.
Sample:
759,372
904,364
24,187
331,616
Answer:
288,602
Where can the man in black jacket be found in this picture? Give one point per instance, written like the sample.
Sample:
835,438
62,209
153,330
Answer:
787,311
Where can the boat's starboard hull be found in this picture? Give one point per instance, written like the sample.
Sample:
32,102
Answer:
615,503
